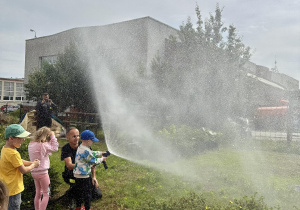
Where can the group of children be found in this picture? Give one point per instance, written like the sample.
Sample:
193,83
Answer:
12,166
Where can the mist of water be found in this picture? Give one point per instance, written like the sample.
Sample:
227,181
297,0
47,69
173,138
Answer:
127,124
133,112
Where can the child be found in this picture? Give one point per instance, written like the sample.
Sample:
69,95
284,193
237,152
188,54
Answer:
85,159
12,167
43,144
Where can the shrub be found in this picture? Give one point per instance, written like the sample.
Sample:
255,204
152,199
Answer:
2,131
29,192
7,119
17,114
191,141
249,203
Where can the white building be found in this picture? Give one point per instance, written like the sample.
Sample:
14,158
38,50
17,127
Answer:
11,91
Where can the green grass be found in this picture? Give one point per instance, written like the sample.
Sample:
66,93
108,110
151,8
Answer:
231,174
218,177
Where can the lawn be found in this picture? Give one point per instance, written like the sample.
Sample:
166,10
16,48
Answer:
218,176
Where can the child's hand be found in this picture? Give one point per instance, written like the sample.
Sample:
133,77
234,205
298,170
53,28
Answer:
36,163
95,182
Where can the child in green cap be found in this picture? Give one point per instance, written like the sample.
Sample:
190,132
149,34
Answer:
12,166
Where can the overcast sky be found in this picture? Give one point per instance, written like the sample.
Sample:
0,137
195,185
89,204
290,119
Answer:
271,28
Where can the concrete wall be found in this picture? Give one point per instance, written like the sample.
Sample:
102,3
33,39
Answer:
45,46
264,72
122,44
286,81
157,33
131,44
261,71
250,67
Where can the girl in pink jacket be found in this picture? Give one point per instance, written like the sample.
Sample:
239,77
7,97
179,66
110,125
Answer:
40,148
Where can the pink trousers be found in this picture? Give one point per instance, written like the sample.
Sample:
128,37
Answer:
42,189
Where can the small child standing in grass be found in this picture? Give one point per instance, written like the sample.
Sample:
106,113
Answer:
12,166
40,148
85,159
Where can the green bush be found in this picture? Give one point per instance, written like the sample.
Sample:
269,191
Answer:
29,192
2,131
17,113
249,203
188,140
191,141
10,118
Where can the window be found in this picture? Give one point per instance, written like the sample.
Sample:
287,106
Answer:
19,92
8,94
50,59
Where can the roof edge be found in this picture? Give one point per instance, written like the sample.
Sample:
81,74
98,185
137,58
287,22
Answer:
76,28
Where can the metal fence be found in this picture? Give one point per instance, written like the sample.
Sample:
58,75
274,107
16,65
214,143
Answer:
265,134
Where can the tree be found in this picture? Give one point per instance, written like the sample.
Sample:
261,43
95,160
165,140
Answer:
38,82
67,82
235,49
201,71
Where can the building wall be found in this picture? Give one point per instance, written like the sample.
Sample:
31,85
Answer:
285,80
132,44
121,44
157,34
261,71
250,67
11,91
264,72
45,46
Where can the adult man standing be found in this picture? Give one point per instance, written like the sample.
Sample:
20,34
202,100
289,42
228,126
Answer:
44,111
68,153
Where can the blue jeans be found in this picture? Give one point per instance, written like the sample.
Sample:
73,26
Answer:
14,202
